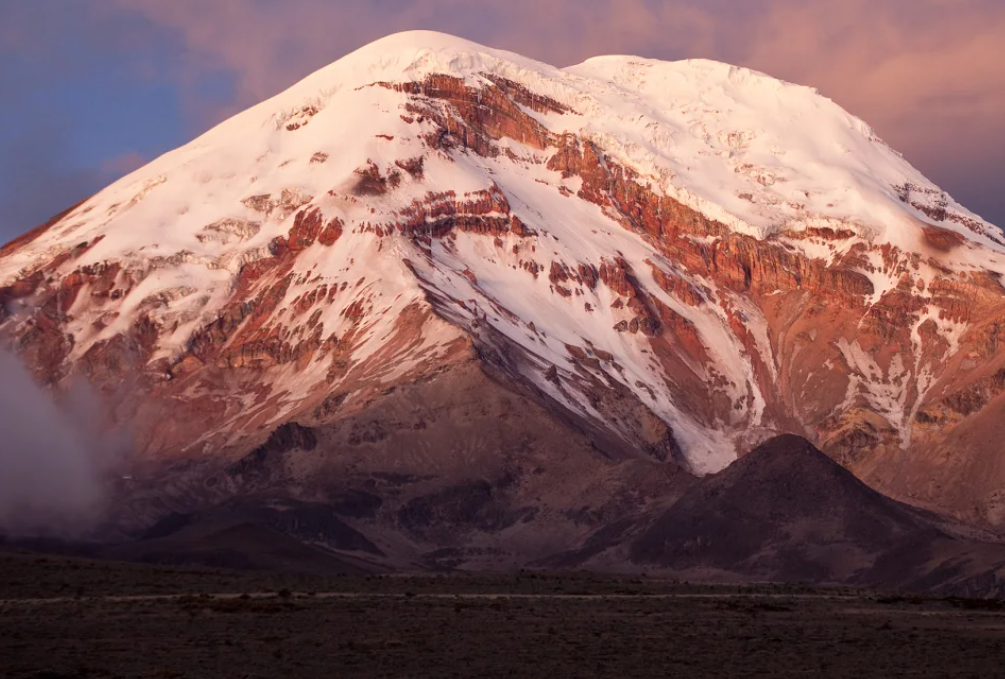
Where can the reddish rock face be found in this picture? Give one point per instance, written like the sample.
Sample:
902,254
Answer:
392,275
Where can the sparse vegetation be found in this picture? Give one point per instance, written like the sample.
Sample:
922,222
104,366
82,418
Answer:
207,623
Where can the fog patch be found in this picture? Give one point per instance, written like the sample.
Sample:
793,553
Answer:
54,461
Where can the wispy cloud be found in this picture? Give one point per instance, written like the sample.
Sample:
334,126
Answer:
123,164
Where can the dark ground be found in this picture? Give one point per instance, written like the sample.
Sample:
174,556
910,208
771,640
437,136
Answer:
64,617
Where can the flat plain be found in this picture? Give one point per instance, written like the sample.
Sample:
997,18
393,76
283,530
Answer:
68,617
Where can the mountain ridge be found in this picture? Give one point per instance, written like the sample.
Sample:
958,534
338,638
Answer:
785,512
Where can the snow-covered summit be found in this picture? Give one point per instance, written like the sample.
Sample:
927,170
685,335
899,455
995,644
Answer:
759,154
755,152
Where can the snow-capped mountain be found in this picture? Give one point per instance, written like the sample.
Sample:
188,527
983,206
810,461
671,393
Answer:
436,260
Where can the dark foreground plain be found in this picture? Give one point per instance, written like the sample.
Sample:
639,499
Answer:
67,617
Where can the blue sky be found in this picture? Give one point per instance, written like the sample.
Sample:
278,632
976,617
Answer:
90,89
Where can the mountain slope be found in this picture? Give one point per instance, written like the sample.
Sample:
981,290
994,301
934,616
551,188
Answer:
786,509
785,512
788,512
664,262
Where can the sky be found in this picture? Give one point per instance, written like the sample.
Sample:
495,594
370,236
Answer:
92,89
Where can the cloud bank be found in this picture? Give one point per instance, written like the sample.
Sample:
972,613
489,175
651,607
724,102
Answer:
53,464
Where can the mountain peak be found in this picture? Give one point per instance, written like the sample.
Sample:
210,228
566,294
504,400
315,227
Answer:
420,40
411,56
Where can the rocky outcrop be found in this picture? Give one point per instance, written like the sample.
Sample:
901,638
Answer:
477,116
290,436
485,213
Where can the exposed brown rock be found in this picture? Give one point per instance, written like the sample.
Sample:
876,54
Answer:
370,181
440,213
968,401
677,286
476,116
942,240
413,166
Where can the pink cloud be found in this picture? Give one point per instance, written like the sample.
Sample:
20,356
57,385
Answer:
883,58
123,164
